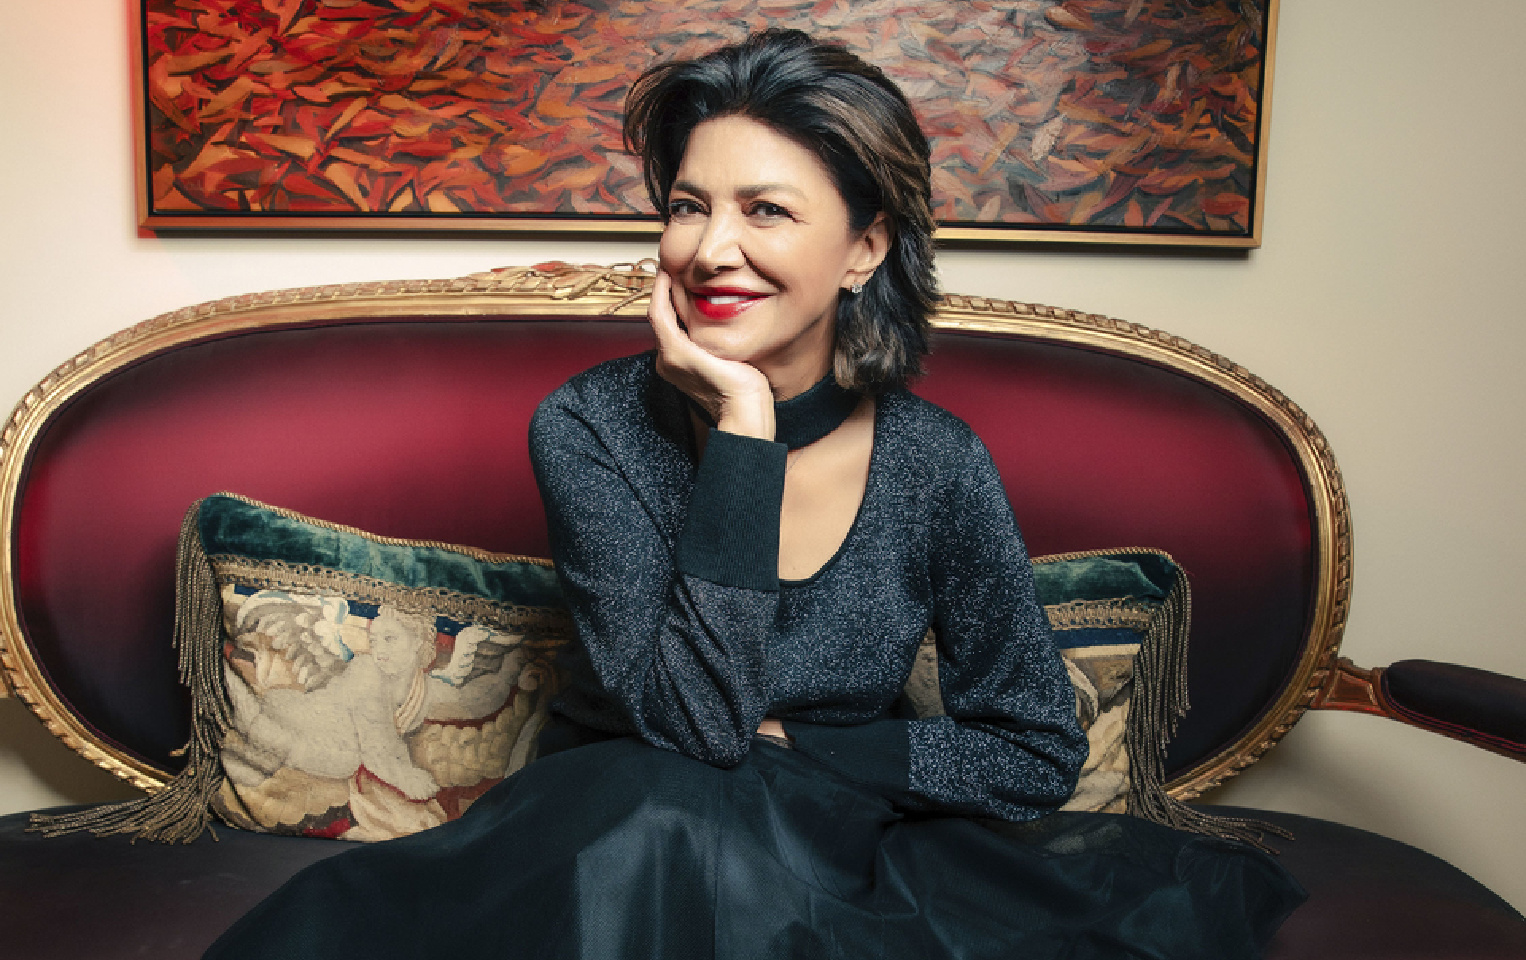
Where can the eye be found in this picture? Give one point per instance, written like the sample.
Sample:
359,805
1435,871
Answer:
682,208
769,211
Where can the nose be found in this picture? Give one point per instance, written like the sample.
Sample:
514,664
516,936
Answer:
720,243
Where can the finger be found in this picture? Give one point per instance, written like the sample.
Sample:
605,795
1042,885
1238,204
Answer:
674,344
675,351
663,320
659,311
672,304
661,287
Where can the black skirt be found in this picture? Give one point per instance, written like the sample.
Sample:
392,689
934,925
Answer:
621,851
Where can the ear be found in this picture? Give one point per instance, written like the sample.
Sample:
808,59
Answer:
869,251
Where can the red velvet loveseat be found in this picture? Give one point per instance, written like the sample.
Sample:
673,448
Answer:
401,408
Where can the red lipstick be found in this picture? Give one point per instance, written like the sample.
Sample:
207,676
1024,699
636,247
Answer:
723,303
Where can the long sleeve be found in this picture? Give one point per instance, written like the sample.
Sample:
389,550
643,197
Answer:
1009,745
673,602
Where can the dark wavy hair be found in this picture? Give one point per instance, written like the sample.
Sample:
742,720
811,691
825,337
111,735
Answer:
855,119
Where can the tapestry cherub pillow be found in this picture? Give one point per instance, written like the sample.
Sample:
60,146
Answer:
368,720
345,684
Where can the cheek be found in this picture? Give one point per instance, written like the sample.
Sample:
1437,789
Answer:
676,248
808,264
816,278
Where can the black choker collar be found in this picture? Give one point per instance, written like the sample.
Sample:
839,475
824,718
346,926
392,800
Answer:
804,419
801,421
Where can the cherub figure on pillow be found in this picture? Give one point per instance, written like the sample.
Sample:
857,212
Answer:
325,704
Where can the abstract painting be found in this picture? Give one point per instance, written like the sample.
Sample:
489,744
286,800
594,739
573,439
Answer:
1096,120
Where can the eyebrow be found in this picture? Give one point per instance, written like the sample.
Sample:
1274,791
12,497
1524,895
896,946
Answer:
746,193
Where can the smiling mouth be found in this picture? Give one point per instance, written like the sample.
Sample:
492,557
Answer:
723,305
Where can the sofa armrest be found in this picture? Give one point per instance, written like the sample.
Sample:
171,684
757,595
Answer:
1475,706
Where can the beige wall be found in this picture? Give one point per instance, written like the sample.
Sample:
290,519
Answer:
1387,301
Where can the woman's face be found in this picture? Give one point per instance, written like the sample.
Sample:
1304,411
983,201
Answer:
759,247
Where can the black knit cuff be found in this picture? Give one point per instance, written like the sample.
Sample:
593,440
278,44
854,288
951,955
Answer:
876,754
732,533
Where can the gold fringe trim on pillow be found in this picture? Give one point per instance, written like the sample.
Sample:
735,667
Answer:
1159,702
183,809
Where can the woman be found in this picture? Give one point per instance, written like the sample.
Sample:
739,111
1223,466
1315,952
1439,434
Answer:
754,527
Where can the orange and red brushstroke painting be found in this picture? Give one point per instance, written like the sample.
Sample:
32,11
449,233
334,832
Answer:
1131,115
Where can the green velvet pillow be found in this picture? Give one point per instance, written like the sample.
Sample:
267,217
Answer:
345,684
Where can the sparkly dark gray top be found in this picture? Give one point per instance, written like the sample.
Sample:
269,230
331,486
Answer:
688,639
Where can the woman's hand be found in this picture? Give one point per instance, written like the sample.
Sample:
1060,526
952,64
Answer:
772,728
736,395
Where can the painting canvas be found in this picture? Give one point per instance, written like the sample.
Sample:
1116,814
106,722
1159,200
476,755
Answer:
1099,120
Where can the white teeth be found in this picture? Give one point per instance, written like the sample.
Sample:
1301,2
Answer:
723,301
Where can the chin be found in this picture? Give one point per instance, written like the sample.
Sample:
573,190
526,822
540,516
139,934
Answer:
722,343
